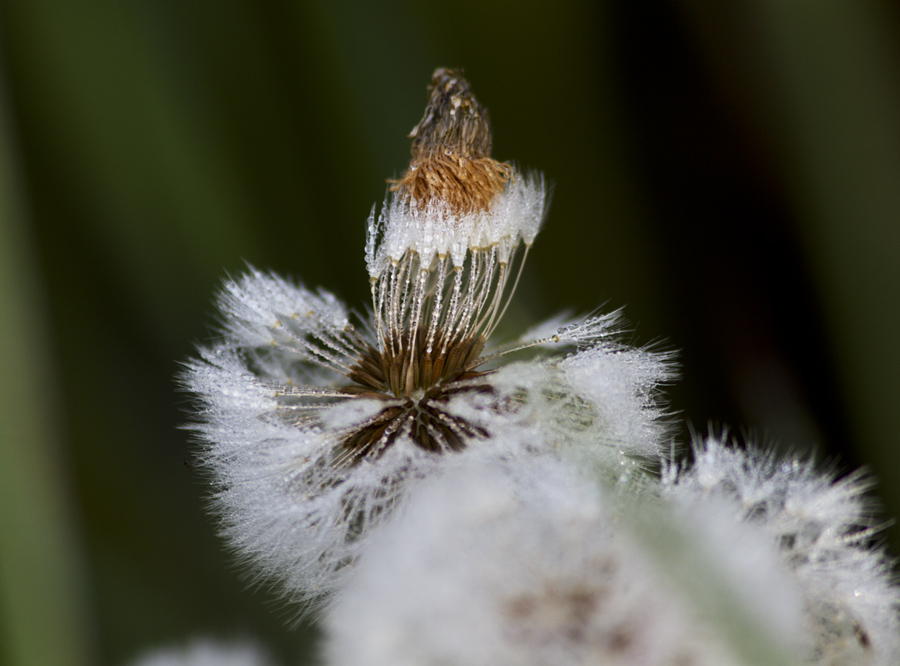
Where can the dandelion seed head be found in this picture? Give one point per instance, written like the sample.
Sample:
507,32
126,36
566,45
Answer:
313,420
518,562
823,529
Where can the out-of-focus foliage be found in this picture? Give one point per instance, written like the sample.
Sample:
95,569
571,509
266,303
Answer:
730,172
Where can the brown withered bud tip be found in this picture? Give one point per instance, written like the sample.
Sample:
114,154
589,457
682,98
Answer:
453,121
451,151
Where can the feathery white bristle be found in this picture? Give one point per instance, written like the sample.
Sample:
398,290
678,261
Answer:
519,563
274,415
432,230
823,529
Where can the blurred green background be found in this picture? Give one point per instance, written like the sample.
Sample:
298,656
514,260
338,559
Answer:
729,172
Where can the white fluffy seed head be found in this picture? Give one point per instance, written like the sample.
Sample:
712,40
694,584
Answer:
517,563
823,528
602,402
277,415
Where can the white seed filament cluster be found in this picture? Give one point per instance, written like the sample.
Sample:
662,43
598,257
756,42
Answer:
432,323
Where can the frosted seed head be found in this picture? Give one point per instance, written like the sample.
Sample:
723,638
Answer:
824,532
311,427
513,562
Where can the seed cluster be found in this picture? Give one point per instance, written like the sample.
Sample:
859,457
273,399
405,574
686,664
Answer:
416,385
435,301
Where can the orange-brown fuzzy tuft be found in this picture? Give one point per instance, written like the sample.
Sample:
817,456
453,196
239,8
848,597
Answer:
464,184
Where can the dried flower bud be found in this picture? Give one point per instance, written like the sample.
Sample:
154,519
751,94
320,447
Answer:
455,202
452,151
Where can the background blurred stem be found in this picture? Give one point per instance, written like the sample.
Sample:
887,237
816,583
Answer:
834,69
42,601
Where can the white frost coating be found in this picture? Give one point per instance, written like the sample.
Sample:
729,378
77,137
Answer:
548,328
602,400
742,560
285,507
823,528
204,652
622,385
265,309
515,217
350,413
515,564
273,418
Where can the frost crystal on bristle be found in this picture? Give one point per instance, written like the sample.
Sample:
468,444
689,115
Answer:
432,230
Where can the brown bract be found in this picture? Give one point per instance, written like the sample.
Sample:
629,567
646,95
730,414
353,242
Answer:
451,153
